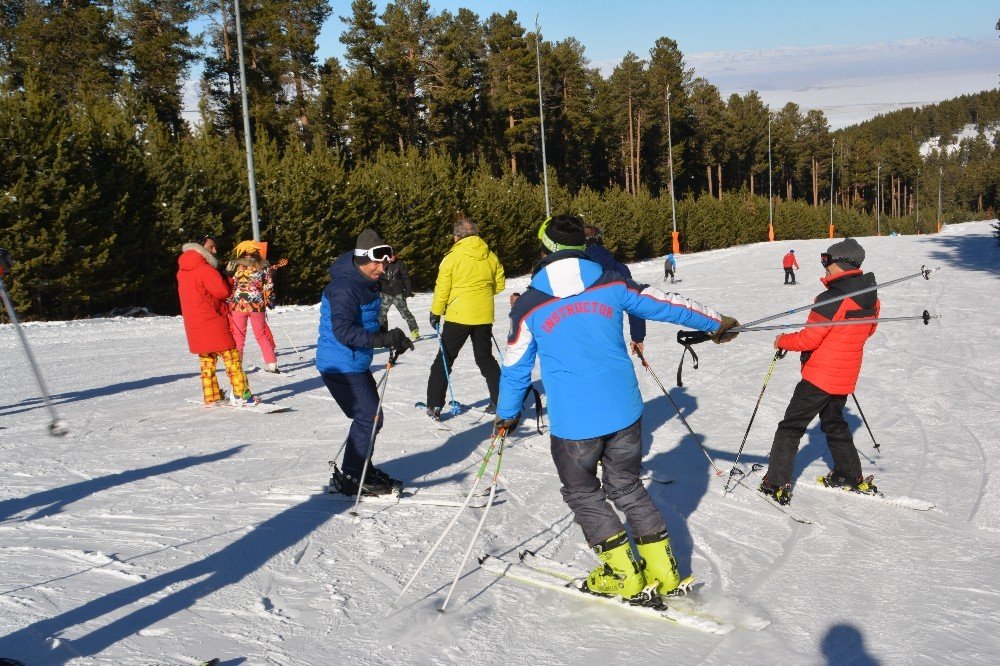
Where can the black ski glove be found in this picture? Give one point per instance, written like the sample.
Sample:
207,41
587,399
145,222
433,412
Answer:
509,425
394,339
435,320
721,336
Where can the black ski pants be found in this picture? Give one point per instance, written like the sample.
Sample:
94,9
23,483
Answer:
453,337
808,401
789,276
620,455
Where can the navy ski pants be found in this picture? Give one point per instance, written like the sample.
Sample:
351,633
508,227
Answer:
357,395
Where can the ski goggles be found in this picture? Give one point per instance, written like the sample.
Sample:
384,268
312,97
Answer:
377,253
826,259
550,244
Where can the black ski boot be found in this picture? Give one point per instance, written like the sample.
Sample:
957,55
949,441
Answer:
780,494
434,413
377,473
863,484
345,484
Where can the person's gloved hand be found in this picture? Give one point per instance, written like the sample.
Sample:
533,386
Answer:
508,425
394,339
721,336
408,294
435,320
637,348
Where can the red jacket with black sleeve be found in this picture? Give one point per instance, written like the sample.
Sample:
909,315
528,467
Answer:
831,358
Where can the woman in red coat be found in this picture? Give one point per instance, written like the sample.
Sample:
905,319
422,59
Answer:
203,293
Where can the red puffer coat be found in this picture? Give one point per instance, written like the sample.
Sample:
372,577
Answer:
832,354
203,295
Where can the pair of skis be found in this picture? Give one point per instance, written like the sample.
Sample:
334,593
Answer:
684,609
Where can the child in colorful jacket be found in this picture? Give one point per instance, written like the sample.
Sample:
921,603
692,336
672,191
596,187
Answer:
253,293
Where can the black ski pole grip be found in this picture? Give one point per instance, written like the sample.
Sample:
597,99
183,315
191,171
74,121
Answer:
692,337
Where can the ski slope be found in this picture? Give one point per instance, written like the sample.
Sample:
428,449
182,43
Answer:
159,532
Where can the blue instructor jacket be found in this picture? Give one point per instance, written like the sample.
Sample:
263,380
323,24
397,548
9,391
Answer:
571,319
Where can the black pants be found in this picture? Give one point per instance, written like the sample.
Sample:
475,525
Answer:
453,337
789,274
808,401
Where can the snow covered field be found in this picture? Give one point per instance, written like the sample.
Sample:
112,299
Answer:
159,532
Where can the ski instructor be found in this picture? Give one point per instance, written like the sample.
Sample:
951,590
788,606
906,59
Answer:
571,318
348,335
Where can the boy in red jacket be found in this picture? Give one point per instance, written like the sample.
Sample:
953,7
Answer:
831,361
203,293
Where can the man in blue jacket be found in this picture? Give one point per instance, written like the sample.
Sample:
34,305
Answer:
348,333
571,319
597,252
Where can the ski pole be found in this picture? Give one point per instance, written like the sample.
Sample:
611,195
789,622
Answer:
645,364
283,330
482,520
503,361
858,405
371,441
57,428
925,317
465,504
697,337
778,354
455,407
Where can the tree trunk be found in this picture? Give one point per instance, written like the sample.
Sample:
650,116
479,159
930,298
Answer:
631,140
788,189
226,49
751,183
638,144
513,157
815,177
708,178
718,170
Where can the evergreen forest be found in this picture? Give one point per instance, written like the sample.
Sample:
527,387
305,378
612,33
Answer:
430,114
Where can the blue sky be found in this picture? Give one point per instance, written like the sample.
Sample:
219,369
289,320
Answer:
610,29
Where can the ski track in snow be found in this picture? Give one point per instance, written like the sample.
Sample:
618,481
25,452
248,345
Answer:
158,532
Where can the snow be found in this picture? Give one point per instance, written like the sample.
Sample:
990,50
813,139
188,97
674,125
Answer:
967,133
159,532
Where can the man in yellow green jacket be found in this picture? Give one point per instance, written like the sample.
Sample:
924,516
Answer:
468,279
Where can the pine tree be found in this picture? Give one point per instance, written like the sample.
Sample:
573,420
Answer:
159,50
512,102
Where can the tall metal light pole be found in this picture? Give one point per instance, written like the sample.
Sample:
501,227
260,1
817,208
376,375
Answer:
255,221
541,117
940,178
832,148
878,201
918,201
770,195
675,237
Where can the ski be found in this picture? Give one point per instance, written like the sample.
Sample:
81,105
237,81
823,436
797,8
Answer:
478,501
783,508
259,408
895,500
655,476
687,597
662,611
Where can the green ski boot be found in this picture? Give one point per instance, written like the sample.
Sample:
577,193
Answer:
619,575
661,567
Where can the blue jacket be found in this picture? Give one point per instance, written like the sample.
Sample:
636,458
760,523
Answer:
571,318
348,316
601,254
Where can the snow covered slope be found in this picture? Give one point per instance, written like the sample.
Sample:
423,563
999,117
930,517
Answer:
158,532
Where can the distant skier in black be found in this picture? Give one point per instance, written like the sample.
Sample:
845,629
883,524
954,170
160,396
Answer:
396,287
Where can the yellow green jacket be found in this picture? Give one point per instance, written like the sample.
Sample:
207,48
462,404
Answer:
468,279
